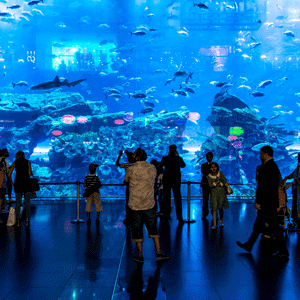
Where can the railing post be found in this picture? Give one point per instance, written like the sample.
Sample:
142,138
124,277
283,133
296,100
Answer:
78,191
189,204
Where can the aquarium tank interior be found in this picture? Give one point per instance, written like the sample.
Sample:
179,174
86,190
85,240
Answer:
82,80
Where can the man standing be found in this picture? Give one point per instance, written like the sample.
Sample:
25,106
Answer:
205,169
4,157
267,202
172,180
140,178
296,192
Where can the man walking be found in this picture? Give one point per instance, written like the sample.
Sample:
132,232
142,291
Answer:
141,177
267,202
172,180
205,169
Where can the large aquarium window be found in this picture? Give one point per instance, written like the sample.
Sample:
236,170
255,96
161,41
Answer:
81,81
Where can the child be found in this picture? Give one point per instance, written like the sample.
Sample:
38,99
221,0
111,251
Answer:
92,184
2,188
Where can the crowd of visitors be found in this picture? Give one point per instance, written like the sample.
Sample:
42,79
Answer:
149,185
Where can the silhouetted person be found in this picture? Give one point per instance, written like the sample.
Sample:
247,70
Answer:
205,170
296,191
4,155
21,184
141,179
172,180
267,202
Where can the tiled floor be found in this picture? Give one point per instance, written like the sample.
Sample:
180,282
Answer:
55,259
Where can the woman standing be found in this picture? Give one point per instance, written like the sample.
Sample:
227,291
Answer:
21,184
218,197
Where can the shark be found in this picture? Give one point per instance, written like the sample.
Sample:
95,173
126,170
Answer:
55,84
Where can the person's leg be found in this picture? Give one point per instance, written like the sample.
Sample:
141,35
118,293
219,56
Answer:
160,200
157,244
205,193
257,228
9,189
214,214
177,200
126,202
88,209
221,213
167,200
18,206
27,204
274,227
136,223
98,205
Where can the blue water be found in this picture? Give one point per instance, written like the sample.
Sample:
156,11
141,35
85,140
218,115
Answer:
128,52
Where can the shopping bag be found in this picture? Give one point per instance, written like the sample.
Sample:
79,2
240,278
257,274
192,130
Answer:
11,217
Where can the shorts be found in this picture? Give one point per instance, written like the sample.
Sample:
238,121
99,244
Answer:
95,197
140,217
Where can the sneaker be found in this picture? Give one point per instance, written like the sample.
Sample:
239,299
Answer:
244,246
139,259
162,256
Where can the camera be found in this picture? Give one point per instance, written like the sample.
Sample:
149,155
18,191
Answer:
124,151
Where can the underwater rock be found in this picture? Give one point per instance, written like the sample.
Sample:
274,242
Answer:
240,132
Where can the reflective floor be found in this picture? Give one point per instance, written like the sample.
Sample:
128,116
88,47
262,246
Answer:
55,259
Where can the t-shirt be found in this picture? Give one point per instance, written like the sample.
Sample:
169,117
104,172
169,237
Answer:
92,182
141,177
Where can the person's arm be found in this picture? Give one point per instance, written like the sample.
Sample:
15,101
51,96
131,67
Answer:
182,163
12,167
84,184
118,159
292,175
29,169
223,179
99,182
211,182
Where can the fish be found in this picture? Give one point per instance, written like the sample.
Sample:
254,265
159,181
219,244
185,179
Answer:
283,78
5,14
245,87
122,77
37,11
280,18
55,83
257,94
113,95
183,33
255,45
20,83
201,5
220,84
14,6
264,84
152,29
10,20
147,103
244,78
168,81
182,74
277,106
35,2
187,89
150,15
146,110
214,82
289,33
137,96
138,33
181,93
103,26
159,71
246,56
297,94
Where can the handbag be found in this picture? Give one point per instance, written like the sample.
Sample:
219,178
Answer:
34,184
229,190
